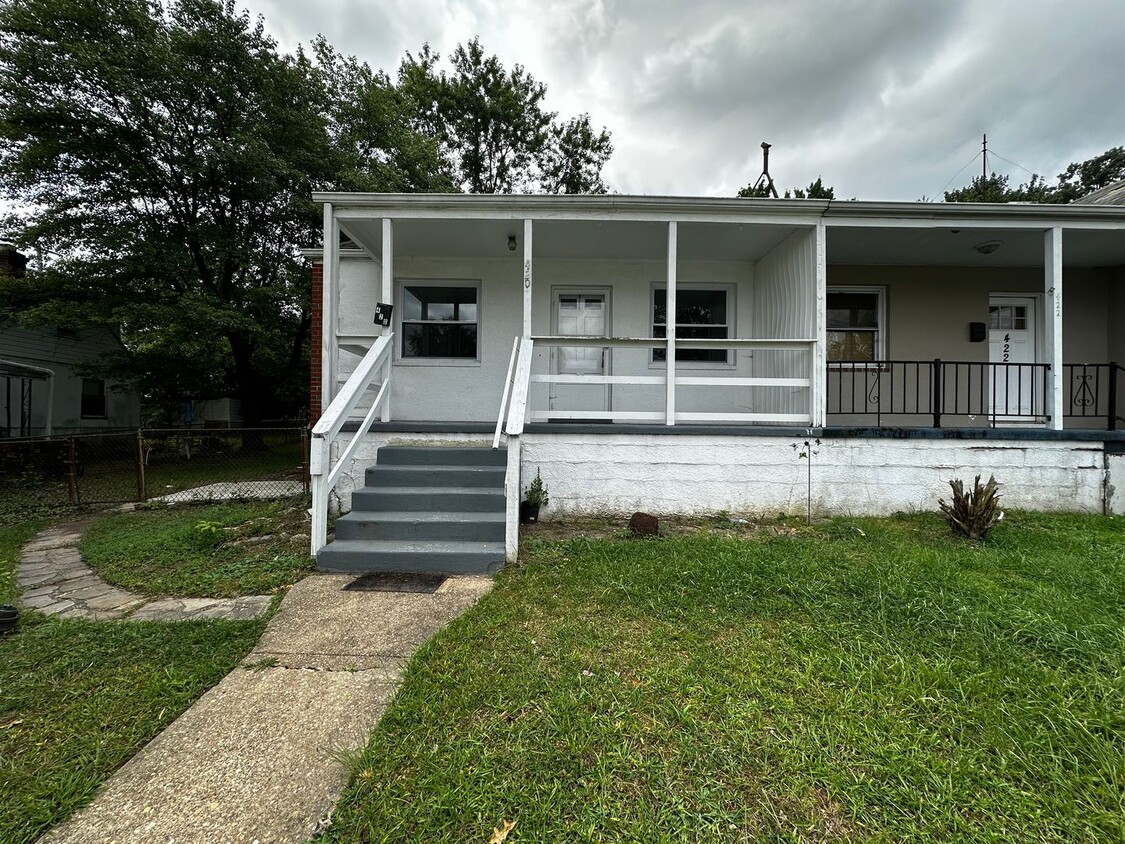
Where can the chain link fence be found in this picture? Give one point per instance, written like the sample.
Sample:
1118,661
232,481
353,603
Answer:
170,465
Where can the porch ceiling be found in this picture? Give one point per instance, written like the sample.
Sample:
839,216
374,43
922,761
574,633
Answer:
952,247
569,239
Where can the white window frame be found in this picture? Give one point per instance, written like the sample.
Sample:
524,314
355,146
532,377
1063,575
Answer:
881,317
400,300
732,354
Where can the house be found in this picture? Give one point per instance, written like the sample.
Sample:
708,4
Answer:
42,391
666,353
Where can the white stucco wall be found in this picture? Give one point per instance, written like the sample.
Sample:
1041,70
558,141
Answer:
1115,484
470,391
673,474
701,474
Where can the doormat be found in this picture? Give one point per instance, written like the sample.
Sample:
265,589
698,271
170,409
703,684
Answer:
389,581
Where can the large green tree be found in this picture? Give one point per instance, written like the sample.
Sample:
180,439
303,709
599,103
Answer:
495,134
164,154
1076,181
996,188
815,190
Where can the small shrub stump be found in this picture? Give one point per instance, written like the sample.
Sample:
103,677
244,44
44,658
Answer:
644,524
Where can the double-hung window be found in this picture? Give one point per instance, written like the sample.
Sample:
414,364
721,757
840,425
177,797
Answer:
856,324
439,320
702,313
93,398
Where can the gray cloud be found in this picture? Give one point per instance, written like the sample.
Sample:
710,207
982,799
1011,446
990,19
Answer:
885,99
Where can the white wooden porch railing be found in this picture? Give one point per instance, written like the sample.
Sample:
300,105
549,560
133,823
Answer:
375,364
513,413
803,381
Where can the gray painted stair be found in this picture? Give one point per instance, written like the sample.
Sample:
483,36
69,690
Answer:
436,510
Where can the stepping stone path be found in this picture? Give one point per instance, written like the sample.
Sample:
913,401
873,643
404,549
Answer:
56,582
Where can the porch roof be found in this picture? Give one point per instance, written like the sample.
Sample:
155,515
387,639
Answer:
731,228
589,206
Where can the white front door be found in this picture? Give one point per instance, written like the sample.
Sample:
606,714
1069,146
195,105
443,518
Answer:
1016,391
580,314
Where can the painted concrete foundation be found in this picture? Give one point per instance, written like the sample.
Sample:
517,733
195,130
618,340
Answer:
696,474
662,474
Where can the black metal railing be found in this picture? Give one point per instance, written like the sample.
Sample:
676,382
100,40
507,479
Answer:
1091,391
928,392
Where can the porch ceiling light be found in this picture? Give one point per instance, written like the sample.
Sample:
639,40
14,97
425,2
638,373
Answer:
988,246
511,243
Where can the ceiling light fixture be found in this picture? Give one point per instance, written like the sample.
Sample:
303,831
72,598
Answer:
511,243
988,246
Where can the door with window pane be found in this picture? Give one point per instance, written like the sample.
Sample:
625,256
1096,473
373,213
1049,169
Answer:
580,314
1016,391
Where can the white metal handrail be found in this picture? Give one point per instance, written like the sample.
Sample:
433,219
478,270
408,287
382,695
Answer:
376,363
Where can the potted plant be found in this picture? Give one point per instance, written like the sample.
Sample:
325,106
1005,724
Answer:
9,616
537,497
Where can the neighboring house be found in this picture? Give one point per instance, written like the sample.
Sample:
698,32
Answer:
920,342
41,390
1109,195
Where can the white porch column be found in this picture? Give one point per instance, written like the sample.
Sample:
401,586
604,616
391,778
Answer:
387,294
330,295
1053,285
819,374
527,257
670,328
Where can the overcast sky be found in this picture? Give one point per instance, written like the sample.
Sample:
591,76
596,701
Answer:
885,99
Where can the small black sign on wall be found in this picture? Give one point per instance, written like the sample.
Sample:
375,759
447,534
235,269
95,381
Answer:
383,313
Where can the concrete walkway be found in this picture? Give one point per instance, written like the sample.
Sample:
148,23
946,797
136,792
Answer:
55,581
256,759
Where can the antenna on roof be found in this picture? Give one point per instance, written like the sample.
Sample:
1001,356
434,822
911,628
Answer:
984,168
764,185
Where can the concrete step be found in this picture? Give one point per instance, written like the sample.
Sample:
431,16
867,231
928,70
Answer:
397,556
427,498
422,525
450,455
435,476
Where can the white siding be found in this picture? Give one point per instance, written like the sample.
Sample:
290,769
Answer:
785,308
62,354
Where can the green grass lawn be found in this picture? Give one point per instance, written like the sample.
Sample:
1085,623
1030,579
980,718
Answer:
221,550
78,698
864,680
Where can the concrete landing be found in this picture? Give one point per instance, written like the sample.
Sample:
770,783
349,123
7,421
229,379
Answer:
256,759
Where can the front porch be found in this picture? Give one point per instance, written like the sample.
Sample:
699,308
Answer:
604,313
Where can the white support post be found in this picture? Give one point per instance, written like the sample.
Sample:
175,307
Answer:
329,297
512,494
819,376
1053,285
318,469
527,259
670,329
387,294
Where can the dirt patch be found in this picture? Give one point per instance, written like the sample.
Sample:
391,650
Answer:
617,526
